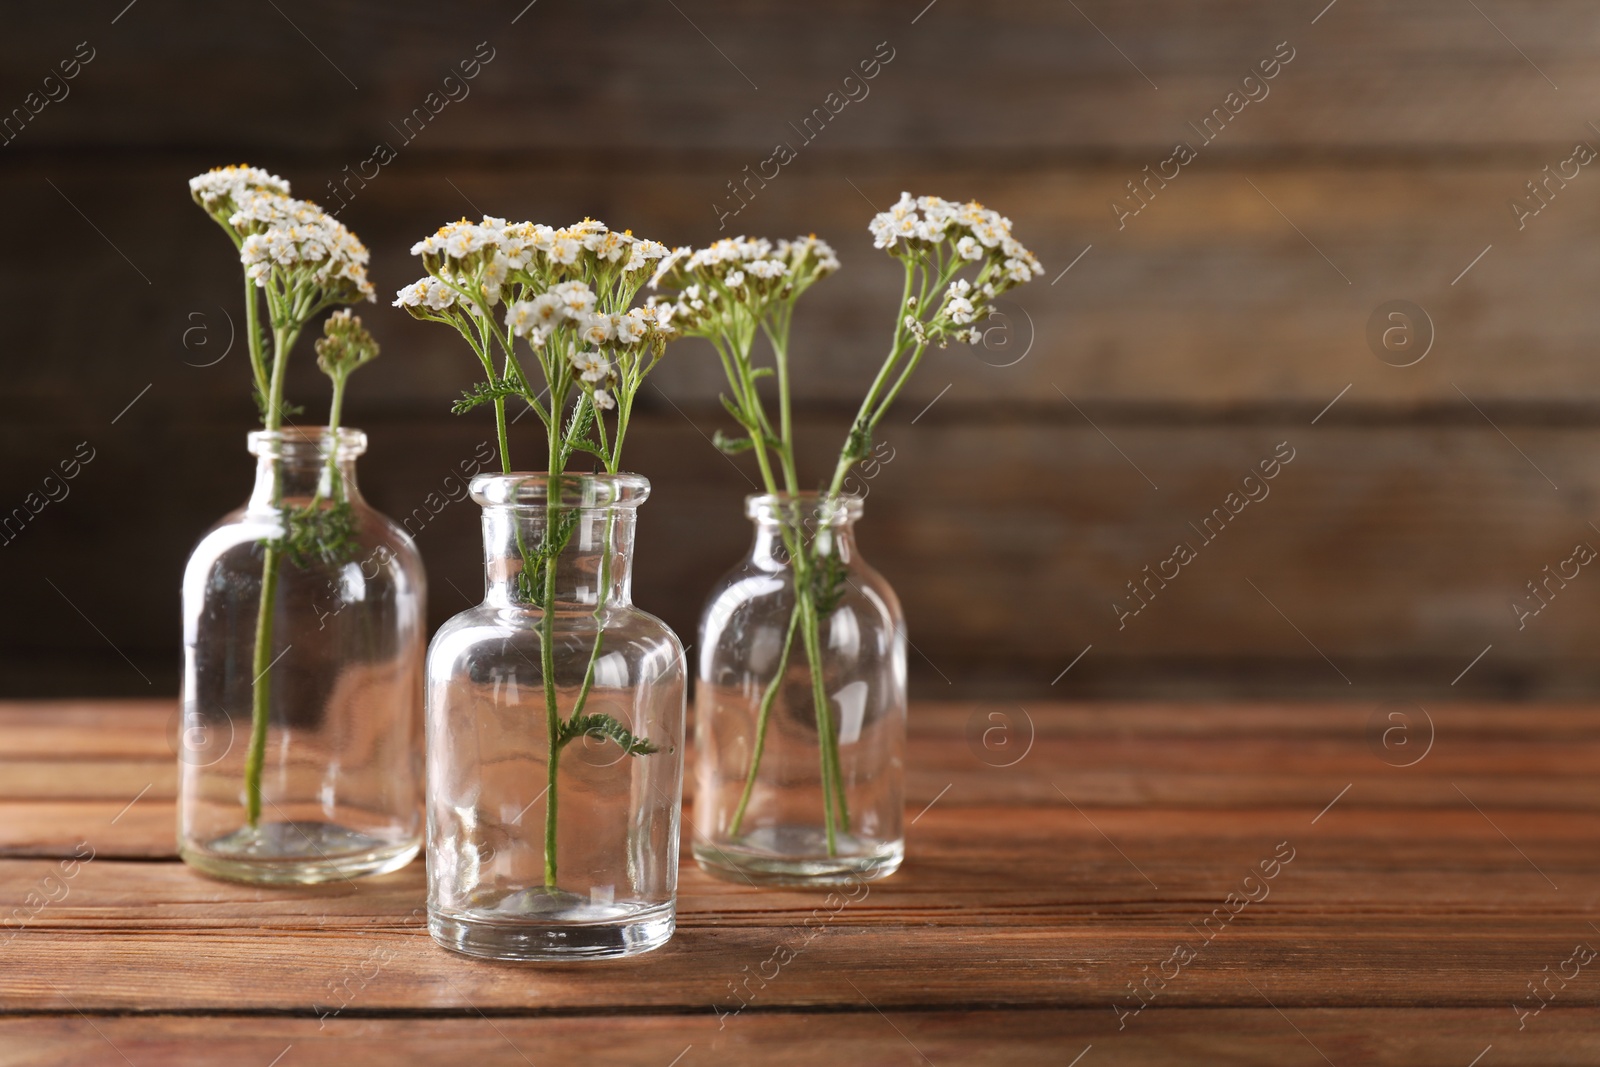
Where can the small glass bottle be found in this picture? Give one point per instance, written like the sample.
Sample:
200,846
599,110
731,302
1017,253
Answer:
300,745
555,735
800,777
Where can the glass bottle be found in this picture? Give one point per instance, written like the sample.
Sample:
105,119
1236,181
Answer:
553,808
300,743
799,783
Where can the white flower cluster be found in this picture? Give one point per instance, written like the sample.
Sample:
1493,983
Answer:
299,238
976,233
280,233
478,257
428,293
221,188
556,285
572,304
953,233
747,272
809,255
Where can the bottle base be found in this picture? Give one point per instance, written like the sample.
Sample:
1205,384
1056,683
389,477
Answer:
296,853
798,856
557,926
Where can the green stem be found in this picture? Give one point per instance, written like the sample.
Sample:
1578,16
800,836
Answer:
864,420
547,652
834,811
262,691
252,325
766,468
547,664
607,458
261,662
336,407
283,340
734,352
501,435
335,410
761,724
553,718
599,618
737,364
843,469
779,336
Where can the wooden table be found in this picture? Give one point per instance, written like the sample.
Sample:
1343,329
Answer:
1058,856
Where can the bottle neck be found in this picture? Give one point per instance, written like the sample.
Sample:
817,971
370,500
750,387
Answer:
279,483
593,562
295,466
804,522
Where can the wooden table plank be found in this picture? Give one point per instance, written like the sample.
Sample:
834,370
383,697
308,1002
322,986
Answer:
703,969
1354,863
1416,909
74,767
97,779
85,729
1022,907
1247,1037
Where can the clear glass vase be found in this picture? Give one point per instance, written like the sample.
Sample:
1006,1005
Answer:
300,743
555,735
799,771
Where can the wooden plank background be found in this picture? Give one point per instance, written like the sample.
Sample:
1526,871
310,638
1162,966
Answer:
1131,395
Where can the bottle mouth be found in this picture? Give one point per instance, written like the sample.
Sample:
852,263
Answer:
532,489
810,508
307,442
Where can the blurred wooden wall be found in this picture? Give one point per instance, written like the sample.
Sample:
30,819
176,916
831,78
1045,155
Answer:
1031,480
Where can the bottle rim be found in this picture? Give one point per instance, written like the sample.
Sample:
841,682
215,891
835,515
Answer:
583,491
807,507
307,442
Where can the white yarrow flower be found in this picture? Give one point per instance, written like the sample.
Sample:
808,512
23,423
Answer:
767,269
564,249
642,253
1019,270
221,185
668,263
535,318
662,310
576,297
439,295
520,318
632,327
591,366
608,246
594,329
494,276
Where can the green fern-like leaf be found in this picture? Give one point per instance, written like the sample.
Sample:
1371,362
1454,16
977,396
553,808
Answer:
535,562
859,445
579,428
606,727
320,534
731,445
484,393
734,410
827,584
